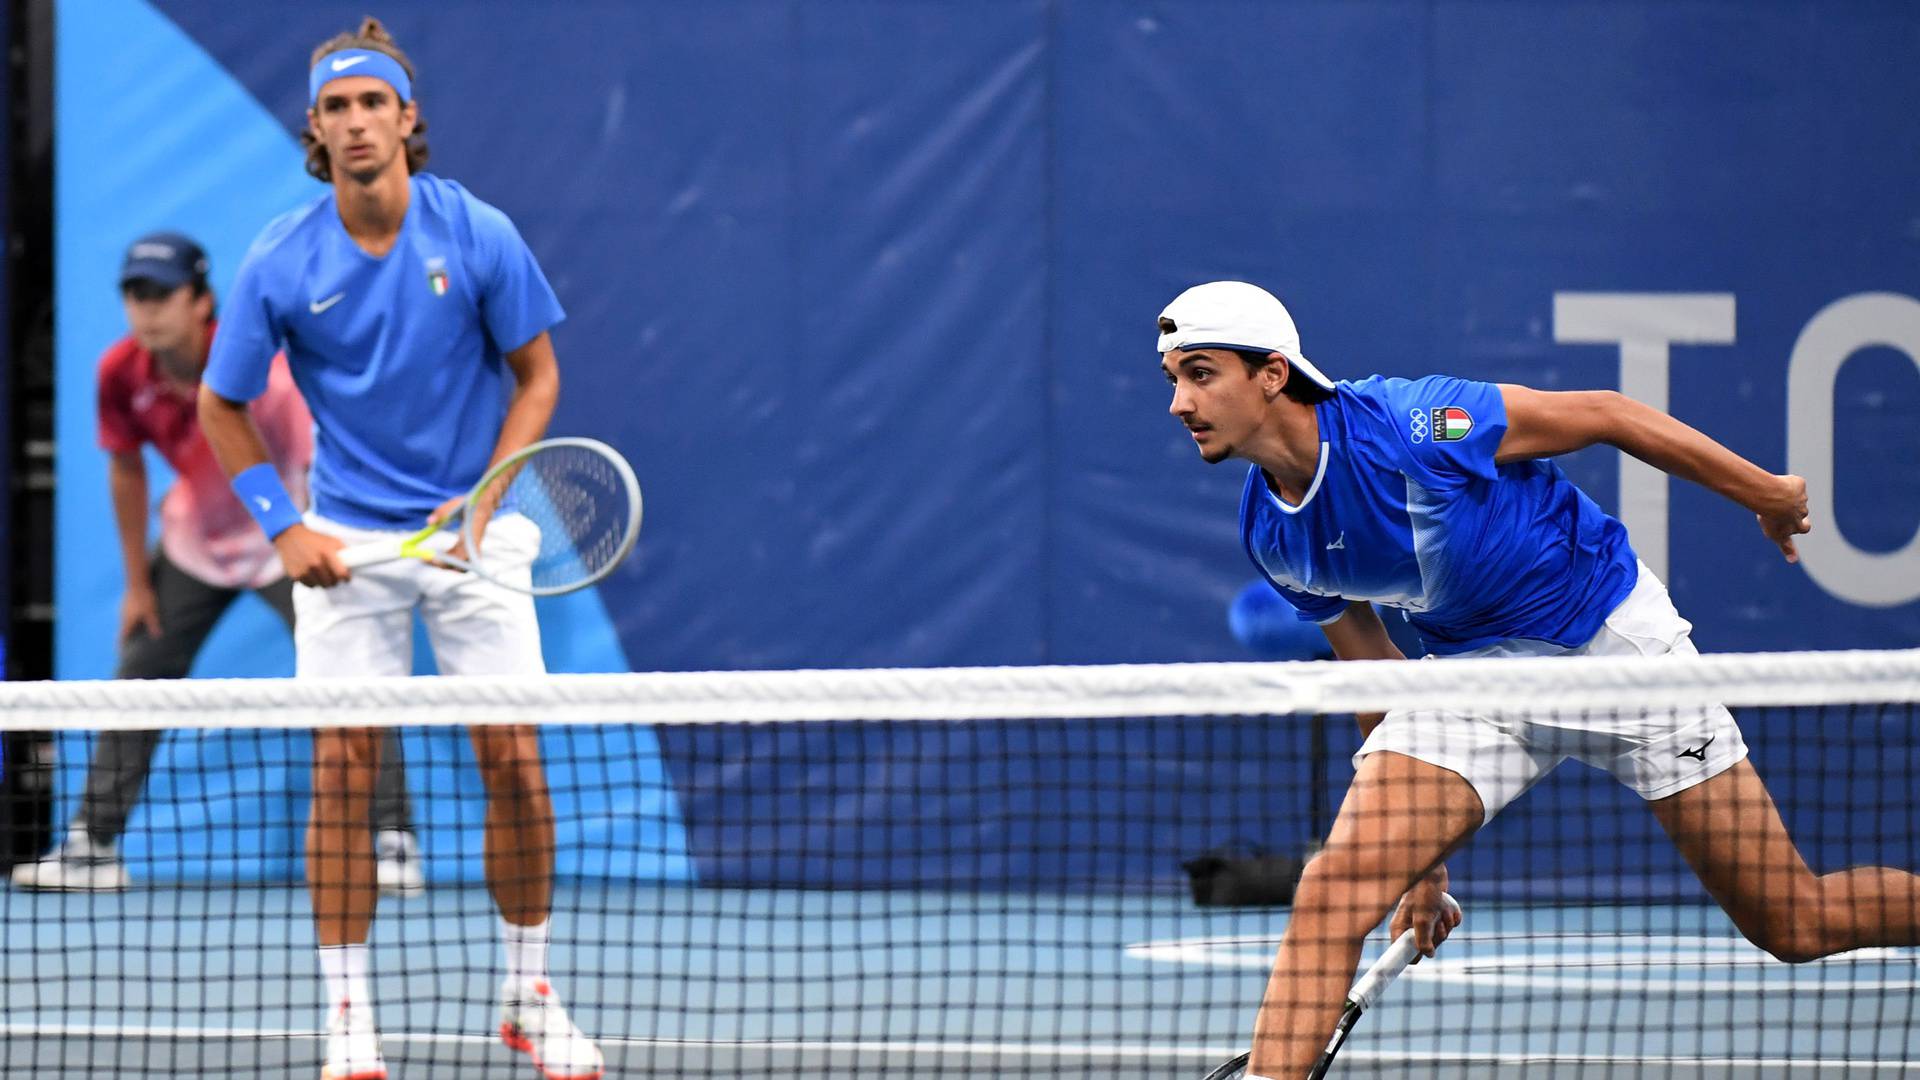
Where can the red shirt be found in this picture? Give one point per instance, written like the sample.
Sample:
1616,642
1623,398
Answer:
203,528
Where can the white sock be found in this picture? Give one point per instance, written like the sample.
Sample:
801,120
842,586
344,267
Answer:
345,969
526,952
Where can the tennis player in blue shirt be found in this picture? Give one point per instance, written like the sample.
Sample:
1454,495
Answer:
1433,496
407,309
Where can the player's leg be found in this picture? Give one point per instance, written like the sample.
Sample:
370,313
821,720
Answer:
477,627
1424,781
357,630
360,629
1730,832
337,625
519,825
480,628
340,870
397,868
188,608
1691,766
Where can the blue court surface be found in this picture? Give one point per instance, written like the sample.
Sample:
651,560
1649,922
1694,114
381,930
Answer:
679,981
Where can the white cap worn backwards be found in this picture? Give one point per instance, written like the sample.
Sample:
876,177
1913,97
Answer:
1234,315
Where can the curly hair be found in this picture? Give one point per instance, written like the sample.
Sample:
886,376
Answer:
371,35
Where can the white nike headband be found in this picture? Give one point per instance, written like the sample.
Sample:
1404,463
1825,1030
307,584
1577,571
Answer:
350,62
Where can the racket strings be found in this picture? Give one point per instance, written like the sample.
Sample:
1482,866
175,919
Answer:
580,503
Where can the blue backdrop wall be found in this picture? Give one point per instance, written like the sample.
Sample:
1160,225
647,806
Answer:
865,289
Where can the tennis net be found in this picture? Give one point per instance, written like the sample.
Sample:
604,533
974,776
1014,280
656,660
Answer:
956,872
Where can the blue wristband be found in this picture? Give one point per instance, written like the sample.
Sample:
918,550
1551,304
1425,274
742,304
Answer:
265,497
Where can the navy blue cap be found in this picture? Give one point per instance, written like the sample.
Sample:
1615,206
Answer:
165,258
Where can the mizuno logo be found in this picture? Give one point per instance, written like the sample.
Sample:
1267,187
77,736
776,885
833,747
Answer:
1339,543
318,306
346,62
1699,753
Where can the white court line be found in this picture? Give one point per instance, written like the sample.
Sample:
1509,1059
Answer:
983,1049
1593,963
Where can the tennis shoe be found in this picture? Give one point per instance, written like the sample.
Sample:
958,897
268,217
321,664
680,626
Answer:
533,1022
78,865
353,1046
397,864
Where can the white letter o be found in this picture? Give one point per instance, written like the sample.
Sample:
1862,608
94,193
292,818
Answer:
1842,328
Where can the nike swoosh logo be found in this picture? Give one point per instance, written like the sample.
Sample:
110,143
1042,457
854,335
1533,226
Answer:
265,504
346,62
318,306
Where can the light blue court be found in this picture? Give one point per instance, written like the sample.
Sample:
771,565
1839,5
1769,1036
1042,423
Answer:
683,981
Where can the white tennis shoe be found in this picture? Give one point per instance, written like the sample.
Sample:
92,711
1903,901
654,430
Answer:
533,1022
353,1046
78,865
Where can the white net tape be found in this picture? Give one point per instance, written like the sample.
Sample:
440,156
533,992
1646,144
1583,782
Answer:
1241,689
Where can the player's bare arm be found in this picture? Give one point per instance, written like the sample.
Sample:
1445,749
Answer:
309,557
127,484
1360,635
1542,423
536,390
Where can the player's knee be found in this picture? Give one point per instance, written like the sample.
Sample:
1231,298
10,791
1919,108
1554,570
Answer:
1819,918
512,775
1792,948
1794,936
344,763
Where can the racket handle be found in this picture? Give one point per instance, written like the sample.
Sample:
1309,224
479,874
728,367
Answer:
1391,963
1384,971
370,554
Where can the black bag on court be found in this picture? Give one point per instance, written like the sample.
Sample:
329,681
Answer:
1242,875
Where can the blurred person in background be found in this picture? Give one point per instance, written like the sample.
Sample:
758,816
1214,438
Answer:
1271,629
208,554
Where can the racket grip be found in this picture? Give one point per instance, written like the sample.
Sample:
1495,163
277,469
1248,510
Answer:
1391,963
369,554
1384,971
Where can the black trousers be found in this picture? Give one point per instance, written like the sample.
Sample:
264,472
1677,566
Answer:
189,608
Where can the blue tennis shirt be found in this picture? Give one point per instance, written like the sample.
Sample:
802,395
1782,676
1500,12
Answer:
400,358
1409,510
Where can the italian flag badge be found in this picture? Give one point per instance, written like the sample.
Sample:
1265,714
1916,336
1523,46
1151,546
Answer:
437,278
1451,424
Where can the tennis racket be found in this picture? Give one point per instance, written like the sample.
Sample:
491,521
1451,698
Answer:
581,495
1365,992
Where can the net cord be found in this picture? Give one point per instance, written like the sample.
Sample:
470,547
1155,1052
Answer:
1094,691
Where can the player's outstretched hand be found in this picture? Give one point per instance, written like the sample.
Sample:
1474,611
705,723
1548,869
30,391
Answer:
1424,909
1782,514
312,558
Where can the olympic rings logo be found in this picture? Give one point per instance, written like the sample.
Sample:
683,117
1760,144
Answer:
1419,426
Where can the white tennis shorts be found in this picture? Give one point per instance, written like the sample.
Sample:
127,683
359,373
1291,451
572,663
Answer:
365,626
1656,753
